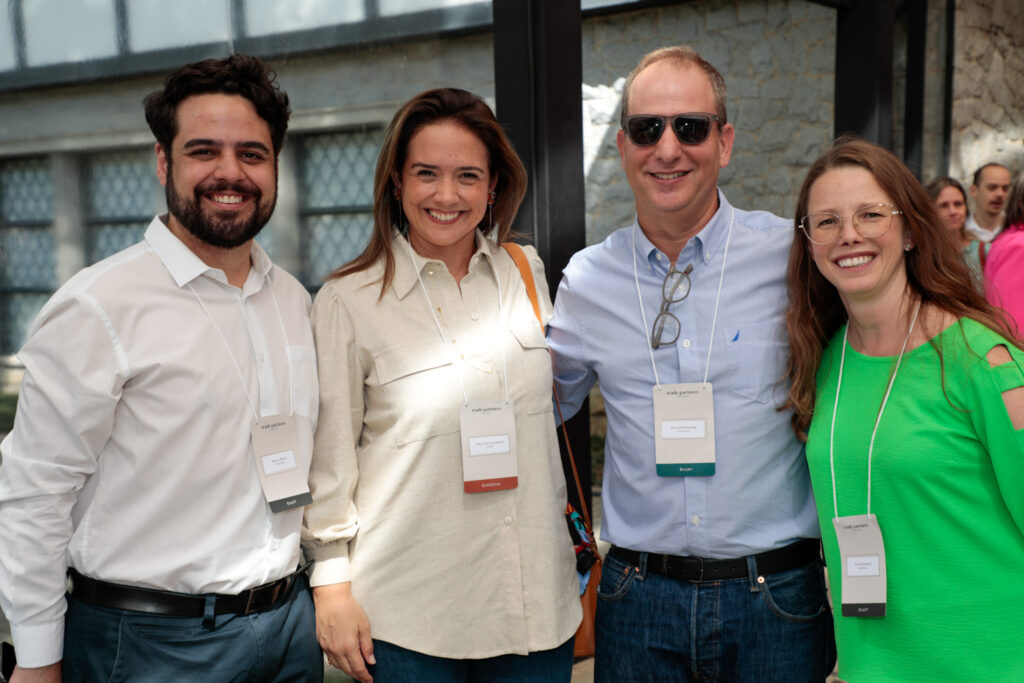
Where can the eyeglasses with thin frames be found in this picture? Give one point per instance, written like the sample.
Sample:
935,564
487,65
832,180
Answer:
674,289
871,221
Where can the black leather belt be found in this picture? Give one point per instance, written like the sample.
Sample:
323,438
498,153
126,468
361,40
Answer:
699,569
151,601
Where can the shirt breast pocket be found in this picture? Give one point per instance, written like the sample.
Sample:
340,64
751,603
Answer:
417,391
756,354
530,366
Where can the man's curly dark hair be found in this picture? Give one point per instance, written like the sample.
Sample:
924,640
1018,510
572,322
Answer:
238,74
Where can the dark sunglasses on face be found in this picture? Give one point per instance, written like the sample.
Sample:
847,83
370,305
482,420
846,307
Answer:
646,129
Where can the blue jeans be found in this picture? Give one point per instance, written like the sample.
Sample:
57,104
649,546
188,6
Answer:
399,665
654,628
278,644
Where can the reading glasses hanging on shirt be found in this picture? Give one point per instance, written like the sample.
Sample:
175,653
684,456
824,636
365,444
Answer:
872,220
674,289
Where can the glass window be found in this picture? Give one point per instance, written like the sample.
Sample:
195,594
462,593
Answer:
157,24
265,17
388,7
119,191
7,58
336,177
82,30
27,249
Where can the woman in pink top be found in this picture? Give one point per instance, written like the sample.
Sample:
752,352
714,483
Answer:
1004,268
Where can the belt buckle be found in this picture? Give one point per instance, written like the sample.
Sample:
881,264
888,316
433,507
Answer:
248,602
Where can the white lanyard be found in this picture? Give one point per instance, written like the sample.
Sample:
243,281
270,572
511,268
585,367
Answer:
878,420
718,299
238,369
444,338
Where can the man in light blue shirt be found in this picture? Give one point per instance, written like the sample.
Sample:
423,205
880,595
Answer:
714,572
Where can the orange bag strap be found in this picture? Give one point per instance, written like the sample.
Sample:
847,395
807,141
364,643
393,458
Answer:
516,252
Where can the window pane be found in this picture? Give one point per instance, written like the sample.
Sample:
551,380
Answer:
156,24
17,311
264,17
403,6
329,241
337,169
120,184
120,190
60,31
26,191
336,177
7,60
27,260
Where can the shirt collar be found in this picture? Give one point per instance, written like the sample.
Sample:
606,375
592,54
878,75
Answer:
708,241
184,266
406,272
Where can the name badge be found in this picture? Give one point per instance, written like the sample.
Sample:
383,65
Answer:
488,430
283,475
684,430
862,556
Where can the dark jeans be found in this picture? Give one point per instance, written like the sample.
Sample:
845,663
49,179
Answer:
278,644
399,665
654,628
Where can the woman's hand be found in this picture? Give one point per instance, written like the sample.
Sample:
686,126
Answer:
343,630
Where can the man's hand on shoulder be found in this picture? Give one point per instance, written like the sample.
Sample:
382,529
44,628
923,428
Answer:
51,673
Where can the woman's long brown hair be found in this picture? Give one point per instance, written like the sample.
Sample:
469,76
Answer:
935,272
436,106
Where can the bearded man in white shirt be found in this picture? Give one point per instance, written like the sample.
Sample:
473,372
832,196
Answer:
164,427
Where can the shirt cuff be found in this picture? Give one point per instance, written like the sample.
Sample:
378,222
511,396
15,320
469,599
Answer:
334,570
38,644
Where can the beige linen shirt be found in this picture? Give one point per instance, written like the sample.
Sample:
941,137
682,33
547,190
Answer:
437,570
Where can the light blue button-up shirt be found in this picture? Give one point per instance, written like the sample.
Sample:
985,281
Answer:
760,495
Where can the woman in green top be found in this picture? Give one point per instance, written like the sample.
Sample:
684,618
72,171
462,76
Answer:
908,389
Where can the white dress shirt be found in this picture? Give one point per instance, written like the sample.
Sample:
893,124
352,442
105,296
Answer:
437,570
130,458
980,233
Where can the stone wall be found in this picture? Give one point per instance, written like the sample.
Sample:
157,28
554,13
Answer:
778,60
988,86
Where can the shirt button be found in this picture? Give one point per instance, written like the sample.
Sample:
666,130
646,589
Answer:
696,520
508,521
657,256
430,272
686,343
475,316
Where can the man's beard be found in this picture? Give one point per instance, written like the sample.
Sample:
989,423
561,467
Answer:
229,231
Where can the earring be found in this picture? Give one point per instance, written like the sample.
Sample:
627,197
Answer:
398,194
490,213
907,246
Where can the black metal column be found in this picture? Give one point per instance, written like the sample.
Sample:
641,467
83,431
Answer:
913,124
864,49
538,75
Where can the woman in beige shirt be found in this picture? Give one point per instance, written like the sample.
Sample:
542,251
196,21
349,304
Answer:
437,526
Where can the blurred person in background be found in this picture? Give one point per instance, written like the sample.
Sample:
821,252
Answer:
951,202
1004,268
989,187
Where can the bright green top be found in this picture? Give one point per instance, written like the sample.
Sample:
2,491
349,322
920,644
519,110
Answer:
947,487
